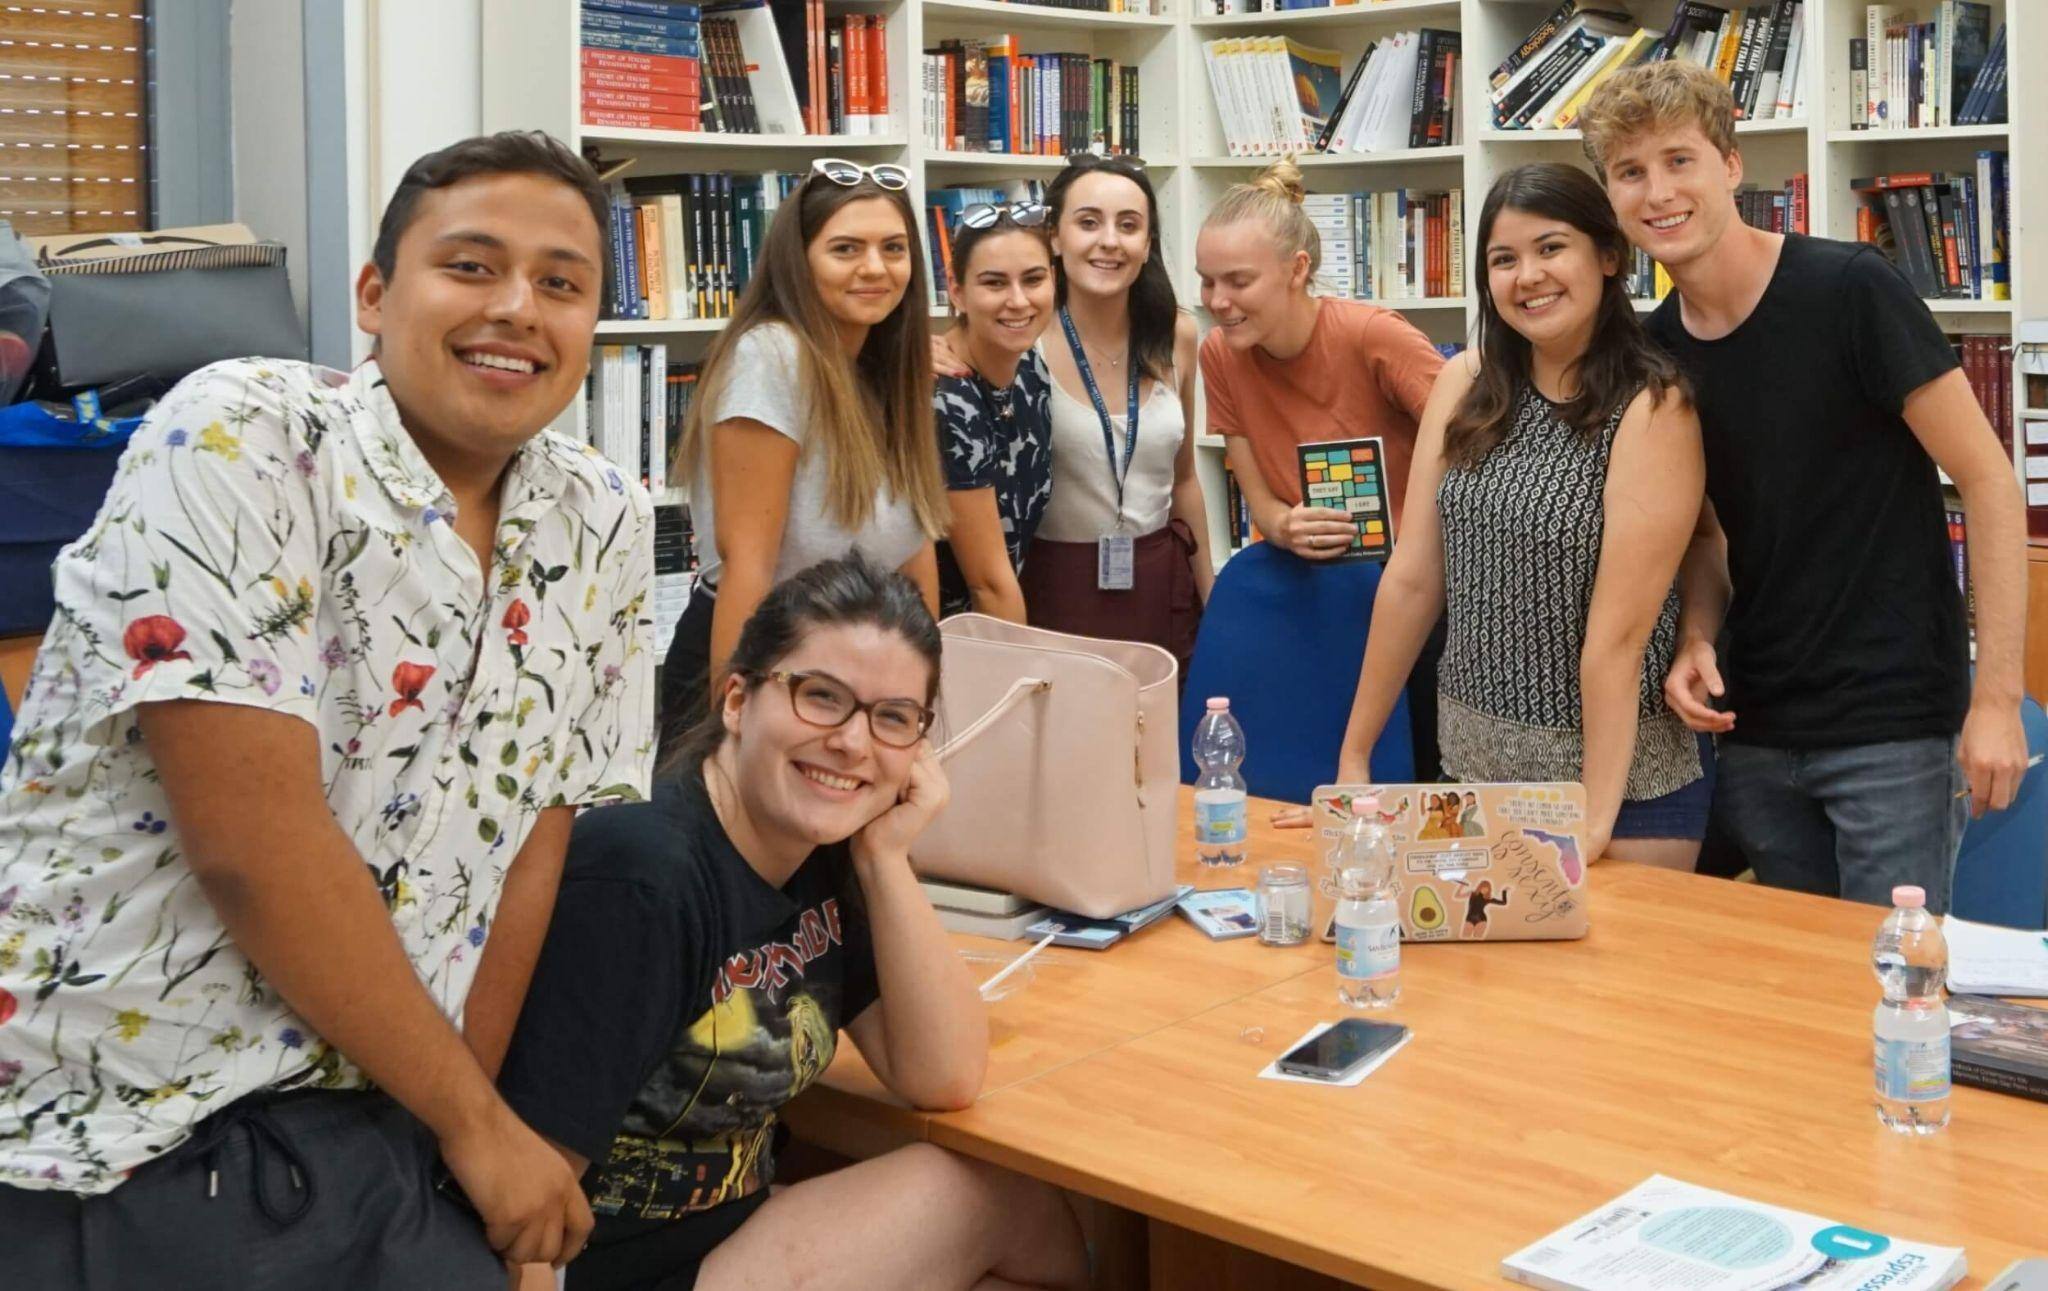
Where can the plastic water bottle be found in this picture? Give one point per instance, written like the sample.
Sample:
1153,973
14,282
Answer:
1910,958
1368,916
1219,789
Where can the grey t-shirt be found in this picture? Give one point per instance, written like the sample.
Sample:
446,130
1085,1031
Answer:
765,387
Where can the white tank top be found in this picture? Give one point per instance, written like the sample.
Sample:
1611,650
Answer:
1083,506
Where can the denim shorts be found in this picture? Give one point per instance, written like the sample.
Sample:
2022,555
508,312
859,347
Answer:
1682,813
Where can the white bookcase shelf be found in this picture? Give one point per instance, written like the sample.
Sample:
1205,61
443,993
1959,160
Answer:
530,80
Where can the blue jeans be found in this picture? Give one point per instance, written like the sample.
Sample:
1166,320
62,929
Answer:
1847,822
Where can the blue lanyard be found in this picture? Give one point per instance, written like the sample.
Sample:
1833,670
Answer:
1102,412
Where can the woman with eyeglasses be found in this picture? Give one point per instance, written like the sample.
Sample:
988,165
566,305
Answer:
1122,550
995,422
709,945
811,434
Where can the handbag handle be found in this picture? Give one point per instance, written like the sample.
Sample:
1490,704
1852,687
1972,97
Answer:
1018,690
137,243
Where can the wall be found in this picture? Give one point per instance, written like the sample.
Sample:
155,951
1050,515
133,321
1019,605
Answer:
268,109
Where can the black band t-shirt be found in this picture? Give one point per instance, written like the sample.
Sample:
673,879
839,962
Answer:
678,1003
1846,625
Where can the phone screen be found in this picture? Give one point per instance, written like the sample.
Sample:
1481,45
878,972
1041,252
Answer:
1342,1047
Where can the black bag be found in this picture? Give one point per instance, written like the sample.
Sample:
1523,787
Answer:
162,305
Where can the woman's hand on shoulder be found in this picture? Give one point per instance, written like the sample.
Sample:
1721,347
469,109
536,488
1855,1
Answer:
946,363
925,794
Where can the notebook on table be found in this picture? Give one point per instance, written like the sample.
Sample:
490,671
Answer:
1476,862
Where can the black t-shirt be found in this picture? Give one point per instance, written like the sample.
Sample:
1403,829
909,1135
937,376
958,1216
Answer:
678,1003
1001,440
1846,625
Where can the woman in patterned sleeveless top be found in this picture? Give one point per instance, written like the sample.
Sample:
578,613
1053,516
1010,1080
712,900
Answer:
1557,480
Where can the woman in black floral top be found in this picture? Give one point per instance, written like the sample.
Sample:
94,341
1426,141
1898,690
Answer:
995,423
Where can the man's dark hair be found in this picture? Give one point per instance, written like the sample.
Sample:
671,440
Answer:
509,152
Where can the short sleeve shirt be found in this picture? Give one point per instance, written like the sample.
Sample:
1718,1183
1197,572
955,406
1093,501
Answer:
274,538
1000,440
1365,371
764,383
679,1003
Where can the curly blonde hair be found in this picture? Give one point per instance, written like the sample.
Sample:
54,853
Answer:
1654,97
1273,197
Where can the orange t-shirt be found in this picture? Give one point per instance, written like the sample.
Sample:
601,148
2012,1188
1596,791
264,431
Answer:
1366,371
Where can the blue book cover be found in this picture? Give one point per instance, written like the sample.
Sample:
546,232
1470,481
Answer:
999,104
633,25
634,297
674,48
644,8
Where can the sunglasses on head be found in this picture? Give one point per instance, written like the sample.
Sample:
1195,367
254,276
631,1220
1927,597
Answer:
847,174
1123,163
986,215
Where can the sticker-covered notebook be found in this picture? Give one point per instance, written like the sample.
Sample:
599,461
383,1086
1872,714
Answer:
1350,475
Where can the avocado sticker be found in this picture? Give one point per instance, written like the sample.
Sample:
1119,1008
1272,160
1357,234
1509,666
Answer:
1425,911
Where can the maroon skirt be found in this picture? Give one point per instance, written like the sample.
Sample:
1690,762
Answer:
1161,607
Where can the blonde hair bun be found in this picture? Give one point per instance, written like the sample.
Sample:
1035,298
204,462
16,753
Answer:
1282,179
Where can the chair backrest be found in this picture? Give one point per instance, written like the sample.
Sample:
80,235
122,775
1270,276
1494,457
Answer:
2002,866
1283,638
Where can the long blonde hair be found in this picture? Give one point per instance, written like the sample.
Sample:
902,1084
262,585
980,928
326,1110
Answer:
871,416
1273,197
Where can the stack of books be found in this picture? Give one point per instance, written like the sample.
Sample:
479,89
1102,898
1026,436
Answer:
675,571
1949,233
640,65
684,246
1404,244
1274,95
1905,74
636,400
777,67
987,95
944,206
1098,6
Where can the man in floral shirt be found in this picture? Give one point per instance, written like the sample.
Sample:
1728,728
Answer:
286,806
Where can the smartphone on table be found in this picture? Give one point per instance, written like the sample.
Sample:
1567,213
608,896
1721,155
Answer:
1341,1049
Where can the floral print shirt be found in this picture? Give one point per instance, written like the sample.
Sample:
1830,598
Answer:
274,538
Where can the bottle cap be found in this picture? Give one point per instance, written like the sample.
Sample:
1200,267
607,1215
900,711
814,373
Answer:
1218,704
1908,897
1367,803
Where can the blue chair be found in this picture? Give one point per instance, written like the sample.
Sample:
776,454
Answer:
1283,638
2002,866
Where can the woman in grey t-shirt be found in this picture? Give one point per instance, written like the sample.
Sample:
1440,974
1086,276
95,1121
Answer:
812,435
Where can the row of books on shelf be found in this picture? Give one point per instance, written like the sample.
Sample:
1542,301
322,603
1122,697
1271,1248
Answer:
635,400
675,571
1274,95
1906,74
1141,7
1401,244
738,67
683,246
943,207
987,95
1545,83
1987,362
1949,233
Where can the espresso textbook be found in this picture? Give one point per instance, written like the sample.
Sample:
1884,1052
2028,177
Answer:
1664,1235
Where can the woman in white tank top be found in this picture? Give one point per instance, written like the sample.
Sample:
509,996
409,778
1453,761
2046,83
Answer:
1123,549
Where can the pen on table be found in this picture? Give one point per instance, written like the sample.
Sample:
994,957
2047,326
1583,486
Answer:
2032,762
1017,963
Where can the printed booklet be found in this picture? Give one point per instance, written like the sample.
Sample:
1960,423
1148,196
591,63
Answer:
1663,1235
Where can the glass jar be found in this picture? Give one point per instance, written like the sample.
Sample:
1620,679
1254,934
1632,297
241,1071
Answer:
1283,905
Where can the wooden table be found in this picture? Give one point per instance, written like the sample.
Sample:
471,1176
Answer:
1716,1032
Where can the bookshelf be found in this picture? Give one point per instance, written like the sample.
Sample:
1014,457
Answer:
530,80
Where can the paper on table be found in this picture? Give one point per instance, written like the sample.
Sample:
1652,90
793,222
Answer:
1987,960
1273,1072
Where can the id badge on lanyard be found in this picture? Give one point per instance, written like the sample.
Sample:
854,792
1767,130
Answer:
1115,553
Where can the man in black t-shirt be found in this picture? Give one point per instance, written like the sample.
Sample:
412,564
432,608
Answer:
1851,731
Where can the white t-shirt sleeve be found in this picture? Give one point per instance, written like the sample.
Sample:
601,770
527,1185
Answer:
764,384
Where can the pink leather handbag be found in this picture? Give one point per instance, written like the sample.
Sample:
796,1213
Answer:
1061,752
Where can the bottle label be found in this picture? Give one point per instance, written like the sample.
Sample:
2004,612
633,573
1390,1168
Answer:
1368,952
1220,822
1912,1071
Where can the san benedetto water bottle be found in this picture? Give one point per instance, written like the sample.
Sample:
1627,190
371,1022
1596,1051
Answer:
1910,958
1368,916
1219,790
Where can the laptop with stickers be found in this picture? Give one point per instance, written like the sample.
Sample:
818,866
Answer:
1476,862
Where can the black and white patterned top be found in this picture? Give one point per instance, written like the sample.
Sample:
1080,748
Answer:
1521,534
999,439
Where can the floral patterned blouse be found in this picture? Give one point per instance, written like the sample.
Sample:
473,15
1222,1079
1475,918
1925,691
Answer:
274,538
